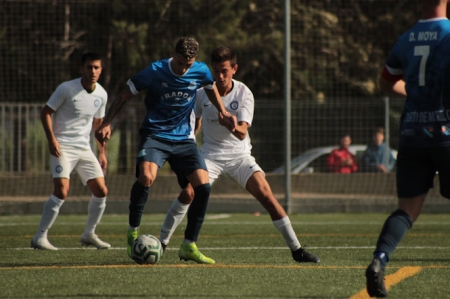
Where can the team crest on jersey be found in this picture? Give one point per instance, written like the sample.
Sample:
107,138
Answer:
59,169
234,105
97,102
192,85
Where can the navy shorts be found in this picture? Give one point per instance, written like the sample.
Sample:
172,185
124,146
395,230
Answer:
183,156
417,167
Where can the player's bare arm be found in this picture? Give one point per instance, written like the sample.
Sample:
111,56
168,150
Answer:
393,87
101,147
241,130
103,132
47,123
225,118
198,125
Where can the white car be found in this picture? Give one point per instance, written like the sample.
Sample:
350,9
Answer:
315,160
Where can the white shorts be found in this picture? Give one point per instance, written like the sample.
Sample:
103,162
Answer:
82,160
240,169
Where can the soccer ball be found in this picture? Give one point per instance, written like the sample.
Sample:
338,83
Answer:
147,249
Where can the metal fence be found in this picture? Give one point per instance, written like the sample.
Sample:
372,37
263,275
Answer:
24,147
338,48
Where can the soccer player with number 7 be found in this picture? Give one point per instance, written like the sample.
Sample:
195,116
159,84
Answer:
418,68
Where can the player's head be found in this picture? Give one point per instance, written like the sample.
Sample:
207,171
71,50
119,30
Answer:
222,54
433,2
90,56
433,8
186,51
91,67
187,47
224,65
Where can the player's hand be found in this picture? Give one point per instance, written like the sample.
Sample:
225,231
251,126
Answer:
227,120
103,161
54,148
102,134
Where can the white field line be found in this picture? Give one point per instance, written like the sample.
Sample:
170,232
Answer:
257,248
310,223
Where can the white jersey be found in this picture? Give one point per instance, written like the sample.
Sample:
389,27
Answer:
75,110
219,142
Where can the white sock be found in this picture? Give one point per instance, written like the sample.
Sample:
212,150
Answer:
95,212
285,228
51,211
173,218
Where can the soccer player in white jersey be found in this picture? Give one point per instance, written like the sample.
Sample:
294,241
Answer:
72,111
418,68
229,152
167,134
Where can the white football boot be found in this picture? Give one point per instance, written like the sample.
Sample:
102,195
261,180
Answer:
41,243
93,240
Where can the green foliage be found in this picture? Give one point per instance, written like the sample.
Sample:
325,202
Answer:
338,47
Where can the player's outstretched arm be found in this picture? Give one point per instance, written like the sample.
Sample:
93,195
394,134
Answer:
103,132
225,118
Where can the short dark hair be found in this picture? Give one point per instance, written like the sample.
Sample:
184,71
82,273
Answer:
222,54
378,130
90,56
188,47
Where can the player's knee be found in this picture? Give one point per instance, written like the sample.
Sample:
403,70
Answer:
146,180
202,190
186,196
61,193
101,192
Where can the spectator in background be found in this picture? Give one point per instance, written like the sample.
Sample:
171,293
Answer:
374,158
341,160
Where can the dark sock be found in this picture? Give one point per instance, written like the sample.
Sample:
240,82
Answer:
394,229
197,211
138,198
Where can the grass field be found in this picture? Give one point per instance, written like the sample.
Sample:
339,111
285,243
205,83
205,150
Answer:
252,260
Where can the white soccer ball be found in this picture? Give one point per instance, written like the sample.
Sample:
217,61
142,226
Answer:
147,249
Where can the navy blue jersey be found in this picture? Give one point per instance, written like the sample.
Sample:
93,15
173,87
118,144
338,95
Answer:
422,56
170,99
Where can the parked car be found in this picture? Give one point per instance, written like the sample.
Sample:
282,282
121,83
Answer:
315,160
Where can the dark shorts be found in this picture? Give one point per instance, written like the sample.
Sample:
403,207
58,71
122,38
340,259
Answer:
417,167
183,156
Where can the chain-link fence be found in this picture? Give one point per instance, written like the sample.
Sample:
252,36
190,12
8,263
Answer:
338,50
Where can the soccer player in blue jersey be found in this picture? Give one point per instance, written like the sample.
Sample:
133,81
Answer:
167,134
418,68
229,153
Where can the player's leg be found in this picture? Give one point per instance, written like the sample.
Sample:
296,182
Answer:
91,174
195,217
190,167
175,214
152,155
180,205
415,174
138,199
61,169
250,175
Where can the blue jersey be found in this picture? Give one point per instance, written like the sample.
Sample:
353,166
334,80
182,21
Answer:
170,99
422,57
